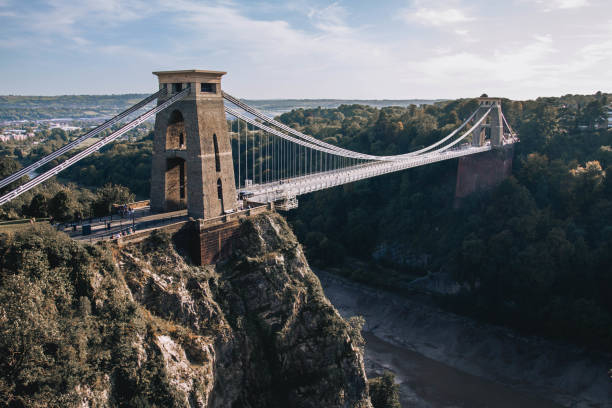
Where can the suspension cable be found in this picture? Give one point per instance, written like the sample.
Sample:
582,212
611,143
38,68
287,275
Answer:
91,149
17,175
347,153
508,125
288,138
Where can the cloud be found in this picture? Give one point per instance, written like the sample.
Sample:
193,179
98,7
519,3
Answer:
216,30
441,16
330,19
67,18
550,5
295,49
568,4
12,42
80,41
524,64
273,41
126,51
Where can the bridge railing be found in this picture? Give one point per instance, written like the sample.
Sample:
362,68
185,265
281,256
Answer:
133,227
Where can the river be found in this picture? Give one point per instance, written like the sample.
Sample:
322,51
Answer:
429,383
442,360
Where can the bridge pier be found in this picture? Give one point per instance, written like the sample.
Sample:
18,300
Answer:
482,171
206,241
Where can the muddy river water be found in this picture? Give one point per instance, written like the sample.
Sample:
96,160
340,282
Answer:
429,383
442,360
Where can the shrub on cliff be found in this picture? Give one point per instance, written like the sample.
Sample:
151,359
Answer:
67,327
384,393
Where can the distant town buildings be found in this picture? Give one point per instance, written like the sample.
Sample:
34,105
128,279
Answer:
65,127
15,134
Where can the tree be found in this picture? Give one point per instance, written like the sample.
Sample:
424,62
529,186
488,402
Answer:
356,326
107,196
8,166
384,393
38,206
594,114
542,126
451,118
63,206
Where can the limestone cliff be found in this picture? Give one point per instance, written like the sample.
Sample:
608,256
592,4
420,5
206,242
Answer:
153,330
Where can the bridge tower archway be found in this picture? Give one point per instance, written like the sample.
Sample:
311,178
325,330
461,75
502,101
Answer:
175,132
192,154
176,184
175,181
492,128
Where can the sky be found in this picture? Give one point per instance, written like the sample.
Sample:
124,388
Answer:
357,49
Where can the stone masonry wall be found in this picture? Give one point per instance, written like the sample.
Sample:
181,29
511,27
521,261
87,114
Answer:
216,243
482,171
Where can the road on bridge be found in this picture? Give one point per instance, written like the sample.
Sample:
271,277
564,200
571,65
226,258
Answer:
141,219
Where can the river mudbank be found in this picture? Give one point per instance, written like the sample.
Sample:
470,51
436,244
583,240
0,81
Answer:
444,360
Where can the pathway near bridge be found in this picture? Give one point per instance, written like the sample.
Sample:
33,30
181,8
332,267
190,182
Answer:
142,219
445,360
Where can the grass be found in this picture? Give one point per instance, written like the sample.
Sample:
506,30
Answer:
89,142
15,225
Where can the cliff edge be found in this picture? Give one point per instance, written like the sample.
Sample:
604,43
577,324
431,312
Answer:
98,326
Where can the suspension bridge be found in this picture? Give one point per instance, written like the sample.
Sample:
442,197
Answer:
213,154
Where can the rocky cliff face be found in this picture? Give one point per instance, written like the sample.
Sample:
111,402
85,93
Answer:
257,331
154,330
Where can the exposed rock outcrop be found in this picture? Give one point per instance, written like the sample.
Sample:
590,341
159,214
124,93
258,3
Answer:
257,331
141,326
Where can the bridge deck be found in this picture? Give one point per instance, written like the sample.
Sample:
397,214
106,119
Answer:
142,220
292,187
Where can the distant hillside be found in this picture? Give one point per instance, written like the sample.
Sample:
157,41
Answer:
278,106
14,107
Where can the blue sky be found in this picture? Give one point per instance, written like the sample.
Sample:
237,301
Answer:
396,49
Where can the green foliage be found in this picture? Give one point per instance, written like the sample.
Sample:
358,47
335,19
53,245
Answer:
123,163
38,207
42,342
356,325
107,196
9,166
70,203
62,206
384,393
74,203
535,250
67,324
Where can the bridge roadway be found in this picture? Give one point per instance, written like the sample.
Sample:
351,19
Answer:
141,220
283,190
292,187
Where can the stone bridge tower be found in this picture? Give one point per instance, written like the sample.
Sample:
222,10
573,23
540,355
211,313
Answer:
192,154
492,127
485,170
